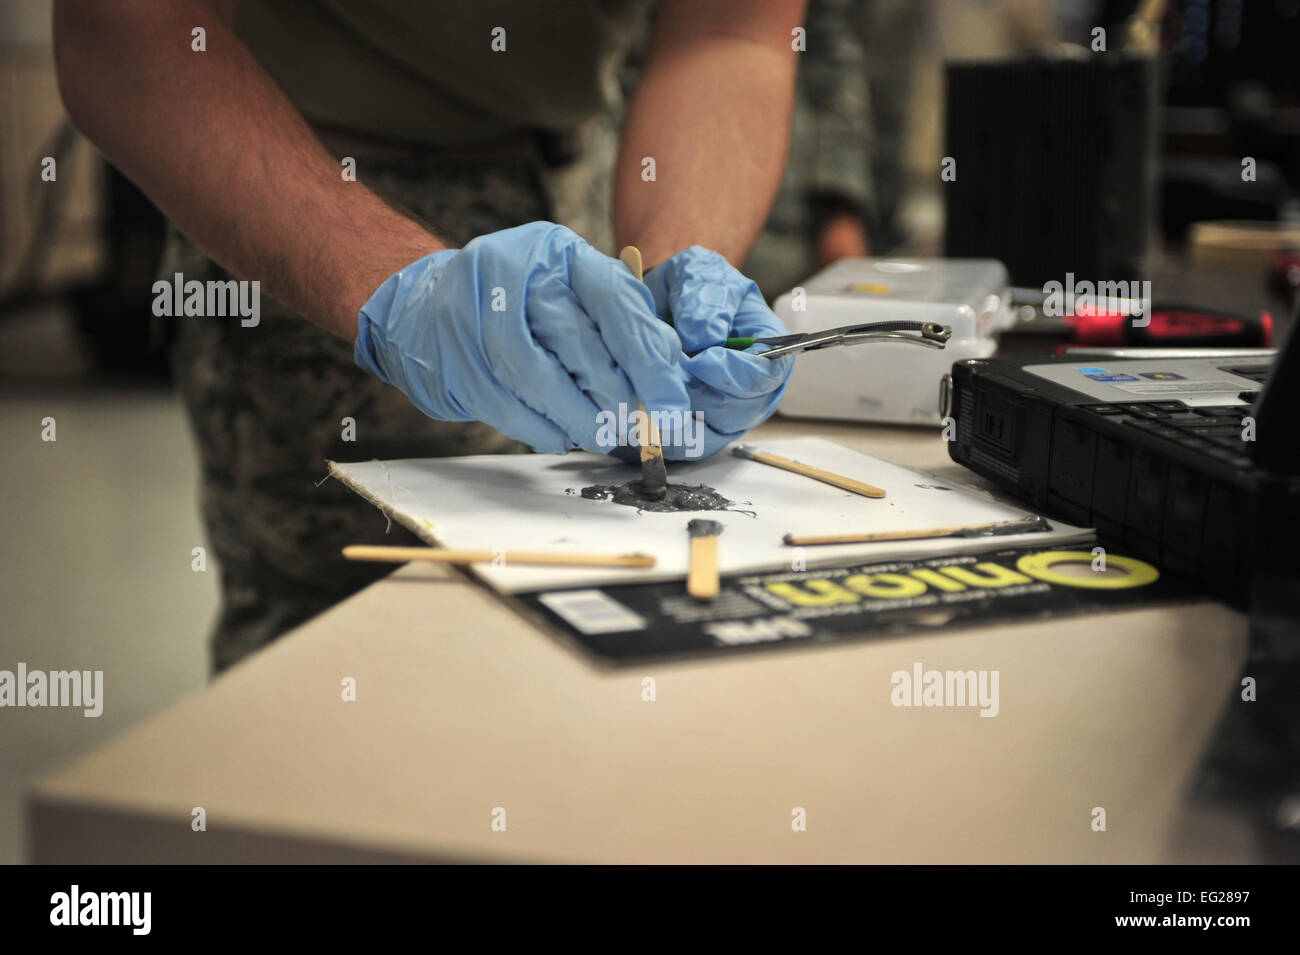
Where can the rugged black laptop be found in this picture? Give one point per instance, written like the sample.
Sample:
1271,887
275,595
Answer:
1192,464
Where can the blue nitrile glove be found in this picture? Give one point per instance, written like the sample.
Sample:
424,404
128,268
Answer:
708,301
530,330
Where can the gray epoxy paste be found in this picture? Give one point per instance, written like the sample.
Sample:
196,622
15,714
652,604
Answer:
680,497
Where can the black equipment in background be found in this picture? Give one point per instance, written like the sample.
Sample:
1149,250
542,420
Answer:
1054,167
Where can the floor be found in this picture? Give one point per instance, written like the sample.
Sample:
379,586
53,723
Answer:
98,528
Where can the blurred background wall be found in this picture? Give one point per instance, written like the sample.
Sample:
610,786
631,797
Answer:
33,126
98,525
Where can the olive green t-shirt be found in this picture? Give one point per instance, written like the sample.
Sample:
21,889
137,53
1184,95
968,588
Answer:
434,71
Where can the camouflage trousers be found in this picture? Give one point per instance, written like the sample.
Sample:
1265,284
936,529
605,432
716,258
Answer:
267,406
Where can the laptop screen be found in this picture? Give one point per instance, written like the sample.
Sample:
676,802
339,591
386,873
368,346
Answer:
1277,408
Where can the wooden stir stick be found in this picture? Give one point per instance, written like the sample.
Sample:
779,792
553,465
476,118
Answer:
439,555
702,579
654,476
807,470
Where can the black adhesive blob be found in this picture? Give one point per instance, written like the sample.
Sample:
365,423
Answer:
680,497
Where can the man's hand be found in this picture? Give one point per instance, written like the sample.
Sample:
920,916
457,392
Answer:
530,330
708,301
839,236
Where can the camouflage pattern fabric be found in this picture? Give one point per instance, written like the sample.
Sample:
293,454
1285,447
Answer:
848,137
267,404
892,32
830,146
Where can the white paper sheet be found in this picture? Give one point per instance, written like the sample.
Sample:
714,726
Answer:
532,502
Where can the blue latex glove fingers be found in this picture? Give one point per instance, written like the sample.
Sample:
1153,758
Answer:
623,310
527,361
450,332
601,323
528,329
628,354
472,316
560,325
403,340
710,301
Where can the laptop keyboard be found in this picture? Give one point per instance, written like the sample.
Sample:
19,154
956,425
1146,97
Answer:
1214,431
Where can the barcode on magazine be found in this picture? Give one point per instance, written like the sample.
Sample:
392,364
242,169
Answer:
592,611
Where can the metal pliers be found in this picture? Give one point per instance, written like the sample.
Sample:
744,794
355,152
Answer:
929,334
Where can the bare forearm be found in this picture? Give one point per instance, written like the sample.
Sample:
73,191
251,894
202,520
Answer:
713,112
219,149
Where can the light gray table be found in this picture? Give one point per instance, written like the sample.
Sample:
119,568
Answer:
463,708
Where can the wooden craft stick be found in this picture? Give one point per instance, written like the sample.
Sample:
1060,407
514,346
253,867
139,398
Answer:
654,475
795,541
807,470
438,555
702,581
1027,525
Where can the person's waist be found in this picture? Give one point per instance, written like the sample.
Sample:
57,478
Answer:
538,146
